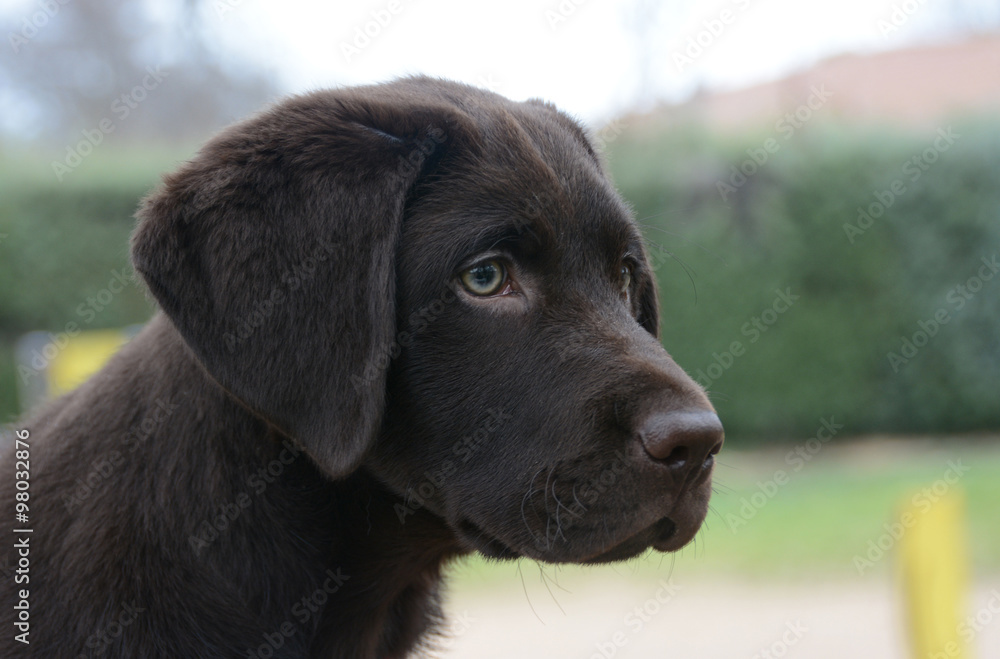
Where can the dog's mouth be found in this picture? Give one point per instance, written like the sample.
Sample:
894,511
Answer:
658,535
484,543
663,536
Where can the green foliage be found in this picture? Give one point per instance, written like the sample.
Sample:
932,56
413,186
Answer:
784,228
723,259
61,247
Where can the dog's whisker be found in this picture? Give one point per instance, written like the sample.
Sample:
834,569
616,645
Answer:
715,512
717,395
722,487
665,213
555,578
526,596
527,500
558,532
583,508
545,501
687,271
549,537
545,581
685,240
559,504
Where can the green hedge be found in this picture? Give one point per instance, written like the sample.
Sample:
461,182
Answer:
773,248
64,251
859,294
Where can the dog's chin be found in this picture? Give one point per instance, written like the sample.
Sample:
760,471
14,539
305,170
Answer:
662,533
475,539
665,535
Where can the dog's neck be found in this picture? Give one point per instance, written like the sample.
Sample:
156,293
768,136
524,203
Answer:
393,573
331,561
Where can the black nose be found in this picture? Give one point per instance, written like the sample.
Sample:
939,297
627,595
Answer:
683,441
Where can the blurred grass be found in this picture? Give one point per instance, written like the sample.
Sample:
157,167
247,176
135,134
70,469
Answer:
815,525
829,510
126,169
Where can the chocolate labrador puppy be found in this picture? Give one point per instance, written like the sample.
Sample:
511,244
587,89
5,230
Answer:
400,323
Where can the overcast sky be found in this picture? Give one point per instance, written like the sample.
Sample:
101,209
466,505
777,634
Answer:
595,58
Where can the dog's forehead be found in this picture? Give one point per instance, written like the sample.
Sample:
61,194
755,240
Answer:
536,173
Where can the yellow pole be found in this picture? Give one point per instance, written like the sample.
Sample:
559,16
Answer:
83,355
934,567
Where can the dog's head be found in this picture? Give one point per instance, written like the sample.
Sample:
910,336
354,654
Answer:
442,287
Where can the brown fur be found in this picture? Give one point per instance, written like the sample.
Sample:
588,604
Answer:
322,411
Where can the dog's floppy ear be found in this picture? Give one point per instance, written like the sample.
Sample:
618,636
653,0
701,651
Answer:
273,253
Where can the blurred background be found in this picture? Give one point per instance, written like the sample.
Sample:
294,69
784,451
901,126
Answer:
819,186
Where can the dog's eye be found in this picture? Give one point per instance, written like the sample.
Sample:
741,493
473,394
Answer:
625,278
486,278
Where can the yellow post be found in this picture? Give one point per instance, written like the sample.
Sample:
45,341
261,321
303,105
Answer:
83,355
933,562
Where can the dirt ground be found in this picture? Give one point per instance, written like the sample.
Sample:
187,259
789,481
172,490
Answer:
685,619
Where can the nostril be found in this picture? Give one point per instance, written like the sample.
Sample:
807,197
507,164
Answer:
710,459
677,457
682,440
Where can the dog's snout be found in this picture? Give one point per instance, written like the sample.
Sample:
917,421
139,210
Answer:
683,441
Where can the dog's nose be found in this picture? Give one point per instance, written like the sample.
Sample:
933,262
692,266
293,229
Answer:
684,441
